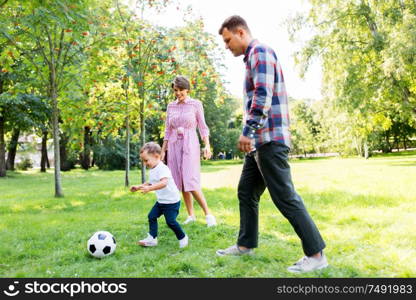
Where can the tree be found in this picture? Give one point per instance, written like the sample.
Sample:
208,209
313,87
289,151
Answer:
148,60
18,113
54,36
367,52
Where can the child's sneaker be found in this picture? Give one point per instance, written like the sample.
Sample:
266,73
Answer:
183,242
210,220
149,241
190,219
308,264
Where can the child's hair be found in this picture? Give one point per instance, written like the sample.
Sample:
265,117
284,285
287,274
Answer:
151,148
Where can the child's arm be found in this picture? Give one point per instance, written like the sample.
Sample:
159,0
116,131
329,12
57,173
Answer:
153,187
135,188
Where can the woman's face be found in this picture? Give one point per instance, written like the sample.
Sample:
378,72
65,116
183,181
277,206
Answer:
180,94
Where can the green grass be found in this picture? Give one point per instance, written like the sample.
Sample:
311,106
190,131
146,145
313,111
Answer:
365,210
209,166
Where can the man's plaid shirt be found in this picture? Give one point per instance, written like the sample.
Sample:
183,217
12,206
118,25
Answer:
265,99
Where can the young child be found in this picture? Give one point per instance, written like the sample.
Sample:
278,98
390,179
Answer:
168,198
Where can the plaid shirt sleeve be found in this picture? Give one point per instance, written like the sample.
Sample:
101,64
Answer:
261,64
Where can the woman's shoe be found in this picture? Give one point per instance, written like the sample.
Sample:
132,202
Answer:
210,220
190,219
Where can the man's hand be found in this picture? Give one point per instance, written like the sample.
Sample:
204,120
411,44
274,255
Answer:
244,144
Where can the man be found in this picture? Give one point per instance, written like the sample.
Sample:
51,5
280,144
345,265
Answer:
266,140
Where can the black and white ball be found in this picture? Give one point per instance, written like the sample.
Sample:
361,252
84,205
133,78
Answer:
101,244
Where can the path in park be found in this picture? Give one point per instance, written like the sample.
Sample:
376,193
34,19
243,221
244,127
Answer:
228,177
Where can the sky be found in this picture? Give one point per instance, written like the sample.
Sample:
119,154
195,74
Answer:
266,20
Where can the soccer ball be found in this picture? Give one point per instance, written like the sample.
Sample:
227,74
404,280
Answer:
101,244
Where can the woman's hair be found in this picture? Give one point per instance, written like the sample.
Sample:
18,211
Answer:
151,148
181,82
234,22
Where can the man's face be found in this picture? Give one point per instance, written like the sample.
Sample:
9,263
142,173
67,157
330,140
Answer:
234,41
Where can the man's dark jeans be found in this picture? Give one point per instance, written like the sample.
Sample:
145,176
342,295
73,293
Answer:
170,211
268,167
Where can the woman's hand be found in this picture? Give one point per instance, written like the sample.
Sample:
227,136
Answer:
207,152
164,148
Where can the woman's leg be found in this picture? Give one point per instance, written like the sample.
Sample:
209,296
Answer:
187,197
199,197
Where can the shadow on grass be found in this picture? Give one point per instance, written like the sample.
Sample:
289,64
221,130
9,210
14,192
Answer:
407,163
395,154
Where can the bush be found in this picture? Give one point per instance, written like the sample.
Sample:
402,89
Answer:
25,164
110,153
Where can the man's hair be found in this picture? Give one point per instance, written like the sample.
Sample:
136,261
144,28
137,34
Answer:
233,23
151,148
181,82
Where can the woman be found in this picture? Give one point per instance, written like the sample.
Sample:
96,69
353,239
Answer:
183,116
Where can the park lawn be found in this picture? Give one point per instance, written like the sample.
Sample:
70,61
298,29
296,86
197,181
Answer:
365,210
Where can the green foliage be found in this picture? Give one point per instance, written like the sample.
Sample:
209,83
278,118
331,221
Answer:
367,53
23,111
69,161
110,154
304,128
102,65
25,164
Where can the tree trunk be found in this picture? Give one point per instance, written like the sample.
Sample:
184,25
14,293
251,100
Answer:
86,154
2,149
2,143
358,146
387,148
55,128
127,168
11,153
66,165
397,142
126,179
44,160
366,153
142,138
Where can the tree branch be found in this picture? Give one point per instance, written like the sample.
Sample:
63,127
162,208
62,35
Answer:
29,57
51,48
41,48
61,65
3,3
